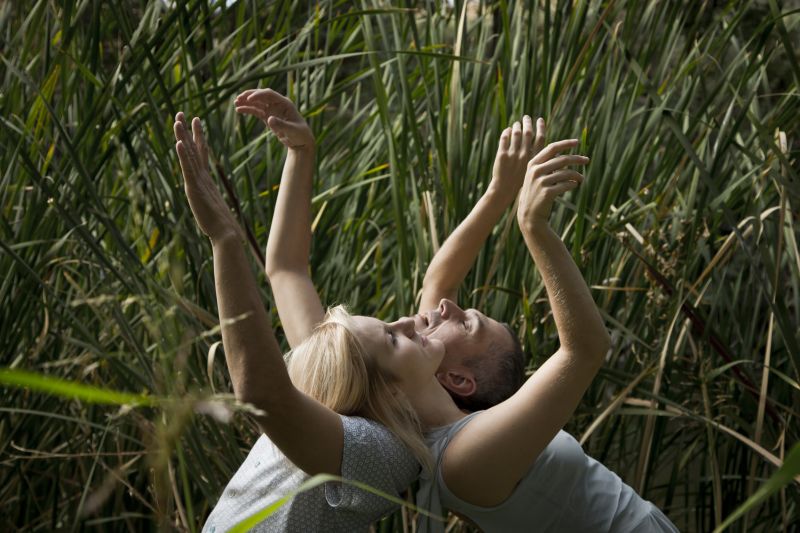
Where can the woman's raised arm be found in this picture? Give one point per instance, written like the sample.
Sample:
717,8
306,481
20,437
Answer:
289,242
457,255
308,433
490,455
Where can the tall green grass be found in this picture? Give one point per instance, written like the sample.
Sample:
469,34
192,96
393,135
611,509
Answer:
686,228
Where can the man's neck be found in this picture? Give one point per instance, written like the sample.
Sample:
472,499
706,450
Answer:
434,406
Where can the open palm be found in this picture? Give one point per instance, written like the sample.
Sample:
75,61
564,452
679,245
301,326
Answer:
208,207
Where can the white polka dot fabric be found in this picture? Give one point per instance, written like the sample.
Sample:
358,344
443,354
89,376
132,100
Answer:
372,455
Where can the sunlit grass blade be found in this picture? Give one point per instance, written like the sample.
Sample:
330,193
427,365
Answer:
72,389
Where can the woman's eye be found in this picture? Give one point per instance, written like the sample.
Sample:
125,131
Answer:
464,324
394,338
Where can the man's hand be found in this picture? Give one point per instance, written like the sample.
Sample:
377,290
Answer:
547,178
208,207
279,114
517,146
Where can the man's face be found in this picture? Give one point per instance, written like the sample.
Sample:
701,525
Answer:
465,333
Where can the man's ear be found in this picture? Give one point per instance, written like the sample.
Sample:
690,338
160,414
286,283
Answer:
459,380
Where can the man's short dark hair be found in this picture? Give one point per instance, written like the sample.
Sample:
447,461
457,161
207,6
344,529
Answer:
499,373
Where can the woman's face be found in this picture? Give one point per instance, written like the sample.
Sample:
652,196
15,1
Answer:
399,349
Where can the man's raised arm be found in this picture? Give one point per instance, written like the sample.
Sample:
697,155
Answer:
455,258
487,459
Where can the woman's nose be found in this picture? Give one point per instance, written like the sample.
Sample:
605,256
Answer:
406,326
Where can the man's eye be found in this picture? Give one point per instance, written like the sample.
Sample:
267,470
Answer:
394,338
465,325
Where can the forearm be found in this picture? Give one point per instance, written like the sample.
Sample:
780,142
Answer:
308,433
457,255
288,249
580,327
289,242
251,350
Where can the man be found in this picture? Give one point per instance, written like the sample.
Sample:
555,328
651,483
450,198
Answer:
484,363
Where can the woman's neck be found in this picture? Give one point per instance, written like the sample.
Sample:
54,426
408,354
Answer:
434,405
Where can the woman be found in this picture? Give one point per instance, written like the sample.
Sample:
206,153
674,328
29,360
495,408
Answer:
338,409
488,464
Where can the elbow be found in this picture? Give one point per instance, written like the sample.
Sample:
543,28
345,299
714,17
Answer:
272,265
275,265
274,269
592,348
271,271
600,346
275,262
250,395
604,345
432,284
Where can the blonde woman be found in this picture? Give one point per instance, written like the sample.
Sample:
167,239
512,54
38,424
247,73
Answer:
509,467
341,408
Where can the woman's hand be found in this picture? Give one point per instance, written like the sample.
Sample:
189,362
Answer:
547,178
517,146
279,114
208,207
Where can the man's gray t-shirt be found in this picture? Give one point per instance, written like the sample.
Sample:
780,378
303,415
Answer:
371,455
565,490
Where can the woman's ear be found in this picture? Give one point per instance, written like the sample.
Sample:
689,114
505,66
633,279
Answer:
458,380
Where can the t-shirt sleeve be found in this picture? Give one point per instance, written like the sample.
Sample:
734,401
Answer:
374,456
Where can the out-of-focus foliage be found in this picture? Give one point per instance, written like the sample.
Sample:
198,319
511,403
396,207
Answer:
686,227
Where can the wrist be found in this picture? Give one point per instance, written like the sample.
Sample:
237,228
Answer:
497,193
535,229
226,237
308,149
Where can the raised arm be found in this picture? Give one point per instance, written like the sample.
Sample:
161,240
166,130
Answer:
493,452
289,244
455,258
310,434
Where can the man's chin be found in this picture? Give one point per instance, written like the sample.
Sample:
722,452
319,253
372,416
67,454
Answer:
446,362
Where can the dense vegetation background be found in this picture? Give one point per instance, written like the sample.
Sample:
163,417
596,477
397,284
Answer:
686,228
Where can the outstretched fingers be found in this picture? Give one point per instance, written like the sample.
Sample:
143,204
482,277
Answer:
538,142
200,142
561,176
516,137
248,109
190,150
242,97
557,163
257,102
505,139
527,135
184,144
552,150
267,97
187,164
562,187
179,127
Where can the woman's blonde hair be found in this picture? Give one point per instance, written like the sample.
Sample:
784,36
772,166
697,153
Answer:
333,367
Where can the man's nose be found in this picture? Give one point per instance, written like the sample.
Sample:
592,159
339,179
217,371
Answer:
407,326
449,309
